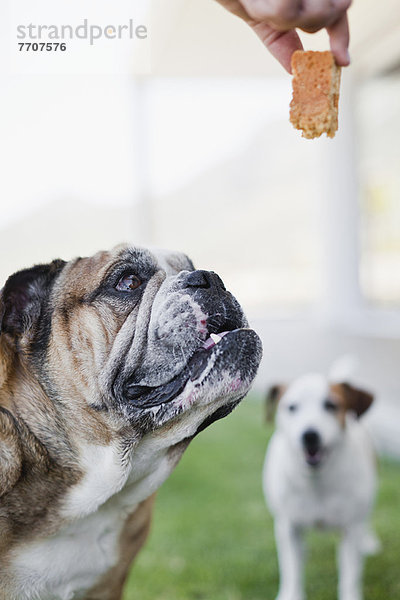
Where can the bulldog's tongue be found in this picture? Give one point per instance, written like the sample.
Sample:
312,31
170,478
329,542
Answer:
214,339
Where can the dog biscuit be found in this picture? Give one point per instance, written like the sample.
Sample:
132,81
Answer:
316,82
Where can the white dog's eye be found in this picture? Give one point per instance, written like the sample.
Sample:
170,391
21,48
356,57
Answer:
292,408
128,283
330,405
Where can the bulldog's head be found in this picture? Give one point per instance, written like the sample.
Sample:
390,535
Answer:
138,336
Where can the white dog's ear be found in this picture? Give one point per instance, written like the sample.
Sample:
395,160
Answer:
274,394
356,399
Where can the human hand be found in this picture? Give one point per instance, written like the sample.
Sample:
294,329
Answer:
275,23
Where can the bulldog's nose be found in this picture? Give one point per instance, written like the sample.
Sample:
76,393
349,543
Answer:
204,279
311,439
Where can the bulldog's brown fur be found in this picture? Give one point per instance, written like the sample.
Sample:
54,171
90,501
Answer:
83,441
40,427
38,454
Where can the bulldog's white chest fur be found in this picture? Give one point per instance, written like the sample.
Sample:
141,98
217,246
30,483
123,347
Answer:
64,566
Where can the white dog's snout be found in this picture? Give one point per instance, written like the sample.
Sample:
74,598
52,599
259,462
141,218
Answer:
311,438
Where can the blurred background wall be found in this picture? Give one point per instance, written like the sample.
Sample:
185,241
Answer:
198,155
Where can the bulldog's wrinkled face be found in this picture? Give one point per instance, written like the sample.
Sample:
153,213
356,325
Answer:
138,335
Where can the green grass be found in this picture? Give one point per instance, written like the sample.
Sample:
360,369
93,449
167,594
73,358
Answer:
212,536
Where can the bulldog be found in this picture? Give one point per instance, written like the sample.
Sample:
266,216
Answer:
109,366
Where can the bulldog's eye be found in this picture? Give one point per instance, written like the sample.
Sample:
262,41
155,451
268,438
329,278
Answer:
330,406
292,408
128,283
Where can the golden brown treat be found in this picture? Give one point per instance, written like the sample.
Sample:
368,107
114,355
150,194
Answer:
316,82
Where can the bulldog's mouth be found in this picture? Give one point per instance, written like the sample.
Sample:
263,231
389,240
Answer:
199,360
219,351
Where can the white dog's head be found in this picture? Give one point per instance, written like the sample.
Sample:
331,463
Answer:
311,413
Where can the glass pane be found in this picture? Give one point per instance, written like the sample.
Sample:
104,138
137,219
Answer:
379,121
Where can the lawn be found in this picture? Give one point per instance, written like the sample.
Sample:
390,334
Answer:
212,536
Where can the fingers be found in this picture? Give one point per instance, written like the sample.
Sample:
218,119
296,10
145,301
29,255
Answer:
273,11
281,44
317,14
275,22
339,38
309,15
236,8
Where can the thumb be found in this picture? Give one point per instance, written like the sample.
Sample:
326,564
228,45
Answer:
339,38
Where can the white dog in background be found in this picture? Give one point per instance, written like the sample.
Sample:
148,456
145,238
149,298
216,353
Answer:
320,471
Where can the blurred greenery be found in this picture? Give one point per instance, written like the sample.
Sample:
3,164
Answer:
212,536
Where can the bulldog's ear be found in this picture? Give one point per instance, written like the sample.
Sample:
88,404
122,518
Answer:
356,400
23,296
274,394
